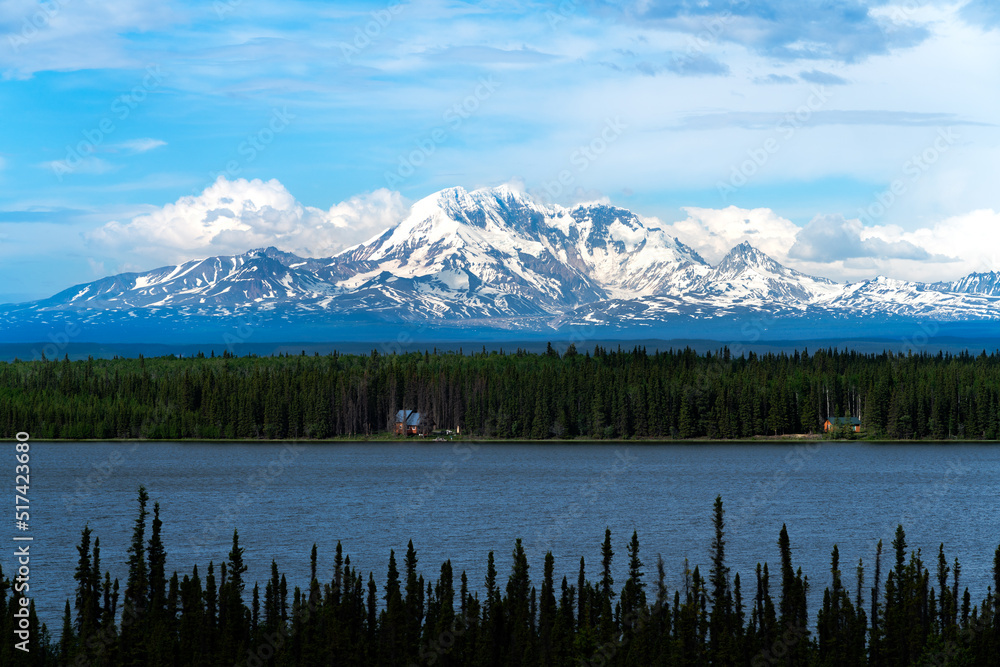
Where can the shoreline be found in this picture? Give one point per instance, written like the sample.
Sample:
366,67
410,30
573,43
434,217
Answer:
523,441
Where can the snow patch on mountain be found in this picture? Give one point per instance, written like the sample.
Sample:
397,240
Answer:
498,257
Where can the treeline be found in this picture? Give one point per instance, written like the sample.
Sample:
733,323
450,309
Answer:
598,393
908,616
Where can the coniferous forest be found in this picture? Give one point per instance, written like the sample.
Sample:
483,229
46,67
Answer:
898,610
594,394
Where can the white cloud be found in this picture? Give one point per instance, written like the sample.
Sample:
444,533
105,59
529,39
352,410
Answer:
944,250
139,145
973,237
84,34
714,232
231,217
847,250
79,165
829,238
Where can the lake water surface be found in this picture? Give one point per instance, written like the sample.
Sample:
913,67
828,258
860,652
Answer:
460,501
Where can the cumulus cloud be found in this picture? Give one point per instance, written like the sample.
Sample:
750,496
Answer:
714,232
846,249
972,238
830,238
231,217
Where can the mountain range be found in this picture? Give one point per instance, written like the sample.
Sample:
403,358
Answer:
495,259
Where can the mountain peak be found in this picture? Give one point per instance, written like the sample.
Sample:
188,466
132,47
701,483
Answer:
984,283
496,255
746,255
504,195
506,190
457,202
443,197
746,249
749,274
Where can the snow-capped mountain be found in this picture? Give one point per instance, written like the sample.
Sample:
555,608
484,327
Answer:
458,255
495,258
749,275
256,276
975,283
884,296
499,243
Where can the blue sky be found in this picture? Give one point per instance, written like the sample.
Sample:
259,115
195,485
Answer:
845,138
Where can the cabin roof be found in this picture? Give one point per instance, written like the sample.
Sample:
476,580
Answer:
409,416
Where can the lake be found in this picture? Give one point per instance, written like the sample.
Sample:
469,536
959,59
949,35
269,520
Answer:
460,501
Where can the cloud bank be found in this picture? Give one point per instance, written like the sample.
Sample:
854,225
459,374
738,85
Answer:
836,247
231,217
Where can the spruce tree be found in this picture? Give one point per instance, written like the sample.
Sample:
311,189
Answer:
157,566
722,648
547,609
135,633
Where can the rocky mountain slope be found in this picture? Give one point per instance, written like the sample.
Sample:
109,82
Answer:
496,258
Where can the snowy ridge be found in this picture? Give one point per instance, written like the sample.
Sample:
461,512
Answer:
975,283
496,256
749,276
500,240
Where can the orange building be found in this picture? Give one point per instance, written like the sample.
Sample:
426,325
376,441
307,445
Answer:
853,423
407,422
